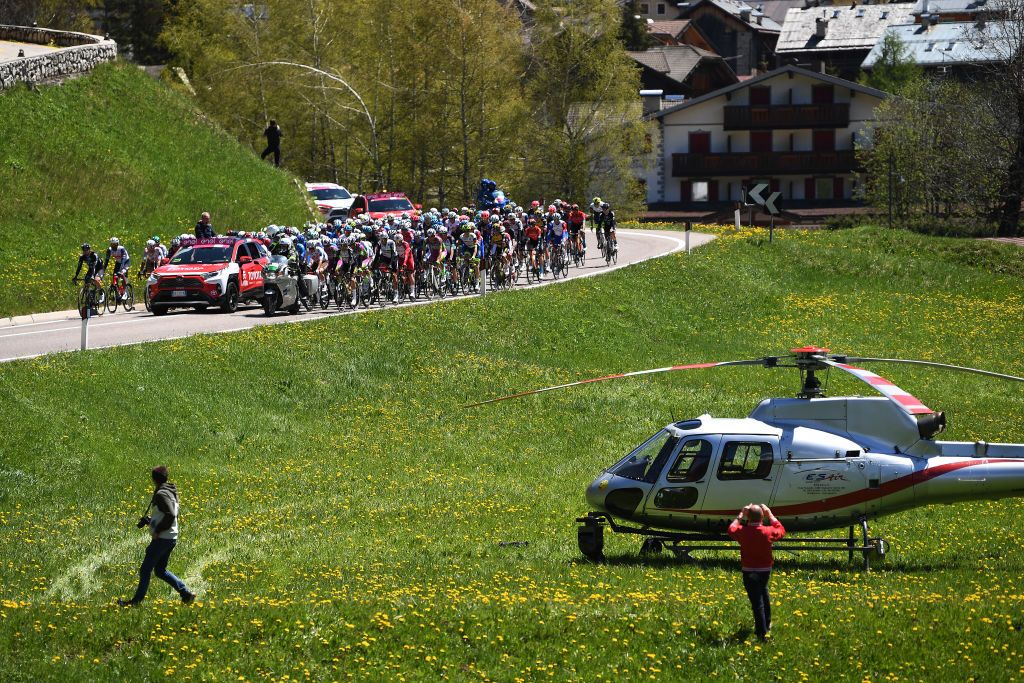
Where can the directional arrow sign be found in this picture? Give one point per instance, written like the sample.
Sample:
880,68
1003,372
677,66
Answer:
755,193
770,203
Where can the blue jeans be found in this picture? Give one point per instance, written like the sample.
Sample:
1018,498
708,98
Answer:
157,553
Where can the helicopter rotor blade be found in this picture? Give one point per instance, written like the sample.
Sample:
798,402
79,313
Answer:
908,403
947,366
637,373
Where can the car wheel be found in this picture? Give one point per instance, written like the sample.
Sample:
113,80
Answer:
160,310
229,303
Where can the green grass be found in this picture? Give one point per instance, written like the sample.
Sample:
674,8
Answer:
116,154
342,514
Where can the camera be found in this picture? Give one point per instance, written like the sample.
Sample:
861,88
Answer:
144,521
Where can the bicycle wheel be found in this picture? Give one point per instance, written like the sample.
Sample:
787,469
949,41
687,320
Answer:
565,266
129,298
145,298
615,253
112,298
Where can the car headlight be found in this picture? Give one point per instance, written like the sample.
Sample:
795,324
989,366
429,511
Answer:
152,279
212,275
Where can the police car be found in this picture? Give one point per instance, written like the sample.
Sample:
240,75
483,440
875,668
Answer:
219,271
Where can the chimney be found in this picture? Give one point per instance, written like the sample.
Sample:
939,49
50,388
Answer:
820,27
745,14
652,101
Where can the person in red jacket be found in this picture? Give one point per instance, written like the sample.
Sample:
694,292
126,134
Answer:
755,529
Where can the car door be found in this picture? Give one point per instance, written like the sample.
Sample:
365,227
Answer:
742,473
250,273
683,481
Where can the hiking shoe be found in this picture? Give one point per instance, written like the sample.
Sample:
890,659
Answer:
126,603
188,597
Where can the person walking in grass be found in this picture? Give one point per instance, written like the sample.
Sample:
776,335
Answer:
273,135
755,529
163,527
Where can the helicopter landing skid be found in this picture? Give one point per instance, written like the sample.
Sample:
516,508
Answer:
590,536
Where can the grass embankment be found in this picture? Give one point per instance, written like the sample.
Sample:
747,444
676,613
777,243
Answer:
115,154
342,514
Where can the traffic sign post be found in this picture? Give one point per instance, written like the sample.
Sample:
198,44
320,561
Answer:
757,195
689,225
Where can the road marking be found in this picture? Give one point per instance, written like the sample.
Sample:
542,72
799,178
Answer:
76,327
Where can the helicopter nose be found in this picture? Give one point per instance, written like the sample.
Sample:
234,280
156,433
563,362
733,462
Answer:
596,492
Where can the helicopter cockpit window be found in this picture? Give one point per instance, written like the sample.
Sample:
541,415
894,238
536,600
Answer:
644,463
692,462
745,460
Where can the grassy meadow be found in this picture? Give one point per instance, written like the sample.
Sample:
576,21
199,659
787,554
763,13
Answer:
116,153
342,514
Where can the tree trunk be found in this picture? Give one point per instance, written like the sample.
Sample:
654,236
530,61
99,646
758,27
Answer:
1013,190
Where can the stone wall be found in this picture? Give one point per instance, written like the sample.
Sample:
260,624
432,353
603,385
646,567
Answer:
79,53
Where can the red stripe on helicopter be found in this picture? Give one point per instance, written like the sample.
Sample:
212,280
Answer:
864,495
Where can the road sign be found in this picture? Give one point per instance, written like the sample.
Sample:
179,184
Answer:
755,193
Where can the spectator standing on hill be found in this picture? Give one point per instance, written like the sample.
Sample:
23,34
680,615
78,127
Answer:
163,527
755,529
203,228
273,135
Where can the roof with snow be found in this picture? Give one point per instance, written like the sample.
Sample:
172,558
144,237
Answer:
848,27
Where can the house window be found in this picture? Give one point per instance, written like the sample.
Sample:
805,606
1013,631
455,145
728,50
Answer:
761,141
700,190
760,96
824,188
645,8
822,94
700,143
823,141
661,8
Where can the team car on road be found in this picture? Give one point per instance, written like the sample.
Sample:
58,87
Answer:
220,271
381,205
333,201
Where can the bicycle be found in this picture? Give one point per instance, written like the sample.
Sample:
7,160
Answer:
559,264
610,251
383,284
120,291
91,298
365,290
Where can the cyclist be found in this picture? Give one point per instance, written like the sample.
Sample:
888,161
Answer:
576,220
469,245
151,257
435,248
406,261
500,246
121,260
598,217
609,225
534,234
93,270
318,260
387,259
555,231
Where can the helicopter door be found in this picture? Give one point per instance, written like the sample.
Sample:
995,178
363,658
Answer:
743,473
681,485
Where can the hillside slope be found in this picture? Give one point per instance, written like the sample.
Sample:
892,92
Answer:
115,153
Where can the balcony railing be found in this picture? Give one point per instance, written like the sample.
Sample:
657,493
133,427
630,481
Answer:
787,116
763,163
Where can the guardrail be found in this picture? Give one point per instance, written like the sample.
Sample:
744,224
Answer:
78,53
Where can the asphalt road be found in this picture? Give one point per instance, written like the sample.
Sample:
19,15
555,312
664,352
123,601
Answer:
31,339
9,50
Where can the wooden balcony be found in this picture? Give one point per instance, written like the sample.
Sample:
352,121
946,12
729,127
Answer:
763,163
787,116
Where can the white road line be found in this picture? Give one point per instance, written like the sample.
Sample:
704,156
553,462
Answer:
75,327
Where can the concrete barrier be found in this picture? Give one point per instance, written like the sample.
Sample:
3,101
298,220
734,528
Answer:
78,53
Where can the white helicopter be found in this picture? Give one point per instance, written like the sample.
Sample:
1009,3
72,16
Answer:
820,462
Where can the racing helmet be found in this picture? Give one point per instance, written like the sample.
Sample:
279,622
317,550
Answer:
114,241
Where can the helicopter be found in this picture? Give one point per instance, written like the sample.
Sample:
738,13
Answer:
821,462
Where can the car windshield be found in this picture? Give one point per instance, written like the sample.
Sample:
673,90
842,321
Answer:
331,193
397,204
214,254
640,464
